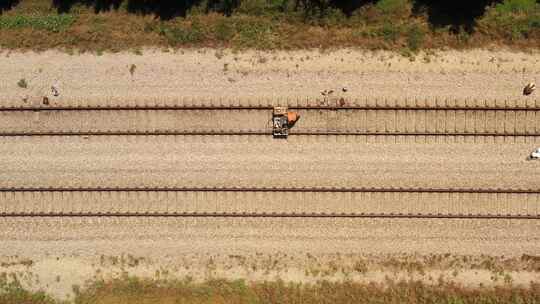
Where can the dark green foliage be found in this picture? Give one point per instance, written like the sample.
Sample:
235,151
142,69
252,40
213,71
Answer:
415,37
254,33
270,24
513,20
389,31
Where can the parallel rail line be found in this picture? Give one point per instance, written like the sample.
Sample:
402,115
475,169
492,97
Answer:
271,189
256,202
277,215
266,108
291,133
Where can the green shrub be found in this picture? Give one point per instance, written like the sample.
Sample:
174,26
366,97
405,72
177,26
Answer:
389,32
395,7
254,33
183,34
53,23
223,30
415,37
516,6
512,19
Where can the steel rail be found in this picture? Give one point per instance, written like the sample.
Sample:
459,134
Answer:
291,133
266,108
278,215
239,133
270,189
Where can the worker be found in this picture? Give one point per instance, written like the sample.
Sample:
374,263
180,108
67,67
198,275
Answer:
292,118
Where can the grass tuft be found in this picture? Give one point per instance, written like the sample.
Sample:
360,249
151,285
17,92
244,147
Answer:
22,83
415,37
132,69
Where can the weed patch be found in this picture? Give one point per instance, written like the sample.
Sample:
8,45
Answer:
52,23
22,83
394,8
415,38
12,292
132,69
223,30
512,20
252,33
389,32
182,34
138,291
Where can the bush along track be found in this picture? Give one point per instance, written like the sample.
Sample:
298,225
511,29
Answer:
405,26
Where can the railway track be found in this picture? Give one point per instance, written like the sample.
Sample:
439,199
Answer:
429,122
359,121
272,202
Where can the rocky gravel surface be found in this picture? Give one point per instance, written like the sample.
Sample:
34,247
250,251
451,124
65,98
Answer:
61,252
165,237
259,161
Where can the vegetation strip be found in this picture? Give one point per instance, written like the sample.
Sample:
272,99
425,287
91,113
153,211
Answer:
134,290
405,26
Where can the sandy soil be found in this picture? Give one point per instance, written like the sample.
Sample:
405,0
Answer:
170,77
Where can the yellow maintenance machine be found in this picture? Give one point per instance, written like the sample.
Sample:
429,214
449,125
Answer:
282,121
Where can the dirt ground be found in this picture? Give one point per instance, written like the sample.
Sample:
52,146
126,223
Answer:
55,254
207,74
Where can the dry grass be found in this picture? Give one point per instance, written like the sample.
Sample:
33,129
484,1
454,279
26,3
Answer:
34,25
138,291
419,287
